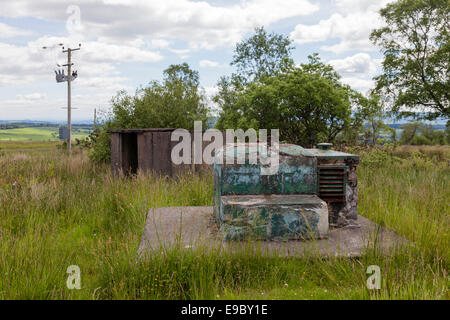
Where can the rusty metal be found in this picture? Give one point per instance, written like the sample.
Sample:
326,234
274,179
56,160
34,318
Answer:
332,182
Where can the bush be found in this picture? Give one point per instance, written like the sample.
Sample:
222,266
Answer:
101,146
421,140
175,103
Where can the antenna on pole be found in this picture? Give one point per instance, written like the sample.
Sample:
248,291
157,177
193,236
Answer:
60,77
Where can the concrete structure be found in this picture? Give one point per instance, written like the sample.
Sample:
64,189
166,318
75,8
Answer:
312,189
274,217
190,228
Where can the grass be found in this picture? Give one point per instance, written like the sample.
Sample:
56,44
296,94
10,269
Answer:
38,134
57,211
33,146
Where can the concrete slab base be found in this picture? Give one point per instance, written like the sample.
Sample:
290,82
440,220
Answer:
194,228
272,217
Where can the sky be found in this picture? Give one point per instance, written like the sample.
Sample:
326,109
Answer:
127,43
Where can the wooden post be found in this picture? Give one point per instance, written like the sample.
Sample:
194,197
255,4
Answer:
69,95
69,78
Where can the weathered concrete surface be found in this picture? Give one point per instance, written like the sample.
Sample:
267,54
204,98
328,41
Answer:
272,217
329,174
295,174
194,227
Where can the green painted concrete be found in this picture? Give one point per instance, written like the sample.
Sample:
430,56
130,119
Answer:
282,211
274,217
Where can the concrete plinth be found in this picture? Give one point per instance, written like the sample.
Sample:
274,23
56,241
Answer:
194,227
272,217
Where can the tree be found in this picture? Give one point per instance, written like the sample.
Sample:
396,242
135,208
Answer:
259,56
176,102
373,114
262,55
435,137
447,131
416,47
417,133
307,103
229,90
409,132
181,74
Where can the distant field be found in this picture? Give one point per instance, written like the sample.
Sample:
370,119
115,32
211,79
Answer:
39,134
16,146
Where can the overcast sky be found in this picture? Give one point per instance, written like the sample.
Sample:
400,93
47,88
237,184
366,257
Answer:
127,43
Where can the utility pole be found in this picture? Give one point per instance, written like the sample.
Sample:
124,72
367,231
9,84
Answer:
60,77
69,95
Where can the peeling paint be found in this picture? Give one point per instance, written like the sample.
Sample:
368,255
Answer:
285,205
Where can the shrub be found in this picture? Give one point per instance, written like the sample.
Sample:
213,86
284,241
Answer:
174,103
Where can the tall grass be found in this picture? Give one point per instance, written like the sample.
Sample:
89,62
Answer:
57,211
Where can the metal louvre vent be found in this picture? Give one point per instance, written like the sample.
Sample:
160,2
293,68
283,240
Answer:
332,183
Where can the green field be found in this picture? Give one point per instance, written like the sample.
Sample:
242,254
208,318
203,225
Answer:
57,211
39,134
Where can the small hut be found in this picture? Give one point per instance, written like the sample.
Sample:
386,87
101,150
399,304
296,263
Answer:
134,150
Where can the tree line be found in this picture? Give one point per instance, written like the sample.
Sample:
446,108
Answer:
308,102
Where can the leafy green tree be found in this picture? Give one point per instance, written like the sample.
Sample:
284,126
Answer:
229,90
420,140
447,131
307,103
409,132
416,47
255,58
176,102
373,114
351,134
417,133
435,137
262,55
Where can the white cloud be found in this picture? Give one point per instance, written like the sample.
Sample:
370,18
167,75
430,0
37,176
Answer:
360,64
160,43
361,5
210,92
119,31
20,64
182,53
209,64
54,108
33,96
7,31
353,31
199,23
107,84
362,85
351,26
27,64
102,52
28,98
357,70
